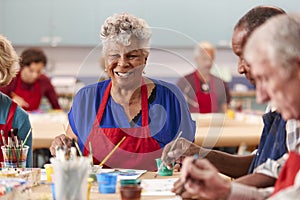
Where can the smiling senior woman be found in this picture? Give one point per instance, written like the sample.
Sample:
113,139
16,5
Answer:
149,112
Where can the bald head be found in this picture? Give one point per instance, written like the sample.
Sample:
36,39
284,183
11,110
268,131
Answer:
204,57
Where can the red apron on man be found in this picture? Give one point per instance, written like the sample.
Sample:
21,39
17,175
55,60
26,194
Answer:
288,172
138,151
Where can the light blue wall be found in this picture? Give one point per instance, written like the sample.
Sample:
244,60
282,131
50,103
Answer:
77,22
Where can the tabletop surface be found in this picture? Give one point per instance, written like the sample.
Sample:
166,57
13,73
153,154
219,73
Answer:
44,191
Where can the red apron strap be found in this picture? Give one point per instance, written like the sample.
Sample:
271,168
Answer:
144,103
102,106
197,83
214,98
10,117
8,124
11,114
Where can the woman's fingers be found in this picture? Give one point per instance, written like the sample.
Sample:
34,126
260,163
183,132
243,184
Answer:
58,141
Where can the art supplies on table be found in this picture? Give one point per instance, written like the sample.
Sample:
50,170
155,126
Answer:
31,175
70,177
14,149
9,186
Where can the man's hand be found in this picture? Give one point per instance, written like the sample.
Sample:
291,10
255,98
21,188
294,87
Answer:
181,149
200,178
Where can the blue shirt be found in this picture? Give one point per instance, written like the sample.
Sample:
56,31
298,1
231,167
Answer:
168,113
272,143
20,121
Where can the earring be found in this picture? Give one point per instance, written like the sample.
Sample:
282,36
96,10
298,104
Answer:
105,69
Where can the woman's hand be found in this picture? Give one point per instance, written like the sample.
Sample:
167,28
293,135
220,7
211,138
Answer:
59,141
182,148
200,178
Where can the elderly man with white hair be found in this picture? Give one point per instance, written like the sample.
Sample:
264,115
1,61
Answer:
273,53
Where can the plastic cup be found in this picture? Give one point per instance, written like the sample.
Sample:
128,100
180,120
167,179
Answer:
130,182
15,157
71,178
107,182
49,172
163,171
131,192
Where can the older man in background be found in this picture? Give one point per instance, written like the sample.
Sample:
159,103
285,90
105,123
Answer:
204,92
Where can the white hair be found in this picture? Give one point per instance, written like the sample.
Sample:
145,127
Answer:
121,28
280,38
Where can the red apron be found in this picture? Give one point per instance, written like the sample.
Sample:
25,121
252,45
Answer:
32,97
207,101
288,172
138,151
8,124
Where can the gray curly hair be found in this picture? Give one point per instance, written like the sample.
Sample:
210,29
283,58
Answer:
8,61
121,28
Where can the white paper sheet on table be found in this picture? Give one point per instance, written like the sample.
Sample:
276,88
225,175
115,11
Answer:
158,187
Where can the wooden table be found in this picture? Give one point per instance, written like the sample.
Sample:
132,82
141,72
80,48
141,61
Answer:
219,131
212,129
44,191
46,126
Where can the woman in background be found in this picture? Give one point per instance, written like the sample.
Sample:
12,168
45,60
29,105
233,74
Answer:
30,84
11,115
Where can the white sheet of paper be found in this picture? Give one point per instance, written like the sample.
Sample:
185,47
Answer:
158,187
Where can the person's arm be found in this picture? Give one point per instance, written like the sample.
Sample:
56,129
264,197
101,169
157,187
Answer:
257,180
50,93
234,166
245,192
201,179
231,165
265,174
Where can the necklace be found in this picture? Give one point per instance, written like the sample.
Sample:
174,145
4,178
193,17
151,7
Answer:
205,87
